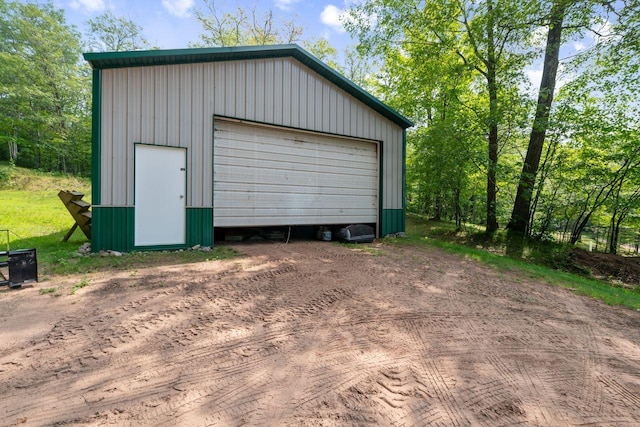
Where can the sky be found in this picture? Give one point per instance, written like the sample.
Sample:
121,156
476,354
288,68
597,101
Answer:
169,24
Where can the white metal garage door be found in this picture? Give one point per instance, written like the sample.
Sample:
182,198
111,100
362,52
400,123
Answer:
266,176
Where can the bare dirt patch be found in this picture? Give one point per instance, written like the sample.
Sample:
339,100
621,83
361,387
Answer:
314,333
608,266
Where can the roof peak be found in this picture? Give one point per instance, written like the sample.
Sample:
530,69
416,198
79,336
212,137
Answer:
145,58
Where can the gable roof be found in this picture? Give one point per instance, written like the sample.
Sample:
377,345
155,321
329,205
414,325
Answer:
144,58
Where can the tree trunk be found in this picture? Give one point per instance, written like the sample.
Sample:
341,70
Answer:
578,228
521,208
614,234
458,208
492,85
437,208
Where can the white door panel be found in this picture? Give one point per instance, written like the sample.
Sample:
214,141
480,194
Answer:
160,202
275,176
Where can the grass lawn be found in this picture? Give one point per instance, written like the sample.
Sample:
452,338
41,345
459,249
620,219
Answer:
36,218
534,263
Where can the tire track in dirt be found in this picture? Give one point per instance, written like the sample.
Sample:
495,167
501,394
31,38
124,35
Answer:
308,334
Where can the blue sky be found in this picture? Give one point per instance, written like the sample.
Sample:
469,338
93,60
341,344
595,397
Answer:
169,24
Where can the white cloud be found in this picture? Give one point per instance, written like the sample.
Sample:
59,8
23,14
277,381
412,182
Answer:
88,5
285,4
332,16
579,46
179,8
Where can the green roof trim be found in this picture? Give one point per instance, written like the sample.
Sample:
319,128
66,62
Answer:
145,58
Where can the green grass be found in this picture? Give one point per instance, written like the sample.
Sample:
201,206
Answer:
420,233
31,210
83,283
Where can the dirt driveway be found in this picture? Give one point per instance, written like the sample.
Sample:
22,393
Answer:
315,333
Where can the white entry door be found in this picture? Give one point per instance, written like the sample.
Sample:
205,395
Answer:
160,202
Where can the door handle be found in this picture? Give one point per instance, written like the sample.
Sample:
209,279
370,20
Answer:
181,196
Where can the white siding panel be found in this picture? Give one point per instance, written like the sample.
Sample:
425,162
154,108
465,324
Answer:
266,176
160,106
173,105
250,90
195,152
119,168
106,148
134,107
260,90
268,83
147,125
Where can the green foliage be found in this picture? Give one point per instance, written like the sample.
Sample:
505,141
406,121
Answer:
245,27
111,33
44,91
31,210
83,283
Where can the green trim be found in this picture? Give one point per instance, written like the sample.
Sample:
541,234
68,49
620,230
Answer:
147,58
199,226
380,187
116,229
96,137
112,228
393,221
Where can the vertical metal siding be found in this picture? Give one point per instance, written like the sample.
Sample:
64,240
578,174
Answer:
106,148
174,105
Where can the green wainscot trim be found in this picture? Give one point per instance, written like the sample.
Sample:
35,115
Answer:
199,227
393,221
112,228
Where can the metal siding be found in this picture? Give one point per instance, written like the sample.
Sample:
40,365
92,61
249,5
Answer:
184,118
199,226
220,87
276,103
196,146
106,148
119,168
230,99
250,90
266,176
147,126
240,85
134,132
207,135
287,88
302,98
340,101
268,84
153,104
294,94
260,91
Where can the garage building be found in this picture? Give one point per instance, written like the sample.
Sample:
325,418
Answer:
188,141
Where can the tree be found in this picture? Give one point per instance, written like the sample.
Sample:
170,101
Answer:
44,91
108,32
478,35
520,216
242,28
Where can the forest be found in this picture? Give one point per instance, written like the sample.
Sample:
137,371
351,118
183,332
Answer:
550,156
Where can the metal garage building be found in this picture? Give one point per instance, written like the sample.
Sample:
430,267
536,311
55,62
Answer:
188,140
